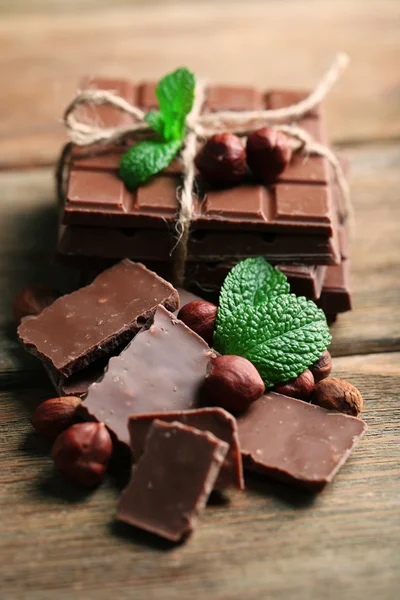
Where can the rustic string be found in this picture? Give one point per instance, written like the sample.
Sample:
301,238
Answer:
198,127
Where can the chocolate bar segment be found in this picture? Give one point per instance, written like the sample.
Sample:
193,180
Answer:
215,420
161,370
336,295
79,243
90,323
296,442
172,481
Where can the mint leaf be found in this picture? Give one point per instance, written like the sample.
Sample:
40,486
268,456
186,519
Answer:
145,159
156,121
251,281
175,93
280,333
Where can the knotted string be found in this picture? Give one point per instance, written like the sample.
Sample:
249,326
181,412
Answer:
200,126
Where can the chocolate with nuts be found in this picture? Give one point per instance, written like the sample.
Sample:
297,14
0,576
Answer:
89,323
172,480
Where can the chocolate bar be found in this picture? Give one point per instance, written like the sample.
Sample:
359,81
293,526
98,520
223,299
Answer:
290,221
78,243
172,480
90,323
215,420
162,369
336,296
296,442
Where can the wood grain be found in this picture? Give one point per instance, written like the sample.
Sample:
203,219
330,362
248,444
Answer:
270,541
265,43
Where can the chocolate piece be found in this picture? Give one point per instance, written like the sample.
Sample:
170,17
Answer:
78,243
215,420
172,481
78,383
161,370
296,442
336,295
80,327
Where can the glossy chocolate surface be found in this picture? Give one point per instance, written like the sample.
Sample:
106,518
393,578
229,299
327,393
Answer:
296,442
215,420
172,481
81,327
161,370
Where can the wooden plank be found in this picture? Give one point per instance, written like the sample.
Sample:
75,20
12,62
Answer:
270,44
270,541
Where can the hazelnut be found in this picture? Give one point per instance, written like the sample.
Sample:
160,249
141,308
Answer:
32,300
300,387
268,153
82,452
54,416
233,383
200,316
322,367
222,160
338,394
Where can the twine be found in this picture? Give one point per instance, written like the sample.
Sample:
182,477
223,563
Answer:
198,127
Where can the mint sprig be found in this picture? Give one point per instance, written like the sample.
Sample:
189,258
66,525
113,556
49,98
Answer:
280,333
175,94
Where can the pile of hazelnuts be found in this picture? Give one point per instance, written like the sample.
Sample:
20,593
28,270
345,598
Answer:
225,161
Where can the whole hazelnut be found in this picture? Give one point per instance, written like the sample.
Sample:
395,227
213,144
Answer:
82,452
200,316
268,153
55,415
232,382
222,160
322,367
338,394
300,387
32,300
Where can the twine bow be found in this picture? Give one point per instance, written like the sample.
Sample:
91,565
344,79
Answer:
200,126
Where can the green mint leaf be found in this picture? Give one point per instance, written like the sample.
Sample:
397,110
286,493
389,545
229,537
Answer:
280,333
145,159
251,281
175,93
156,121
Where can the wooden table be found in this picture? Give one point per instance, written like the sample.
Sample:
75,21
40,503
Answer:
270,541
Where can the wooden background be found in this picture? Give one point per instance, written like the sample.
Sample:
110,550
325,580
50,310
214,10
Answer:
270,541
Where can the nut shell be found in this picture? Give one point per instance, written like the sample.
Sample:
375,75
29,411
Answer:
222,160
83,452
32,300
268,153
322,367
301,387
200,316
233,383
338,394
55,415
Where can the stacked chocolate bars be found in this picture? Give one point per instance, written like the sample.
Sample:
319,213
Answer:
298,223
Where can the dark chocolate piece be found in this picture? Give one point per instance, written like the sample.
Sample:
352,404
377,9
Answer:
296,442
80,243
83,326
172,480
215,420
161,370
336,295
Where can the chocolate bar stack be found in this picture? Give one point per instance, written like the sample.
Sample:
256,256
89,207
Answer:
297,223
